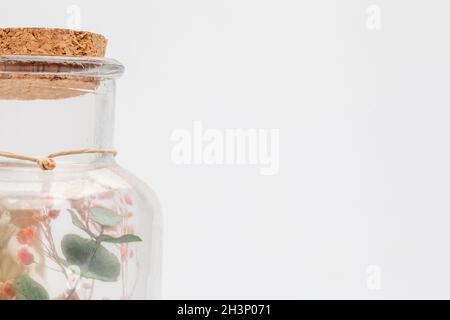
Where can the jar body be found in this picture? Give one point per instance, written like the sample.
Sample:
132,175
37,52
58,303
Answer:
88,232
88,229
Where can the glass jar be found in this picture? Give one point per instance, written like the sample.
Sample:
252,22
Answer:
87,229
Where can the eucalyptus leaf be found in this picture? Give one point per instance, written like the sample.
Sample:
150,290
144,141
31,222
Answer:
28,289
78,223
104,217
127,238
93,259
75,220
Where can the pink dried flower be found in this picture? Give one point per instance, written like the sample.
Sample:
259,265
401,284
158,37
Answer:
127,199
112,231
26,235
106,195
81,206
53,214
25,257
7,290
129,229
124,251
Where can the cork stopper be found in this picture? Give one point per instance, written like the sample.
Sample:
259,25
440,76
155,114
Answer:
53,42
22,84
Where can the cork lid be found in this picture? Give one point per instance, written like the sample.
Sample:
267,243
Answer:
44,63
53,42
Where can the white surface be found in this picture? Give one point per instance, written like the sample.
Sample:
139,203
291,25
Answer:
360,205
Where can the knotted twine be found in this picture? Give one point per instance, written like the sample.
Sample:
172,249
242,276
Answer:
48,162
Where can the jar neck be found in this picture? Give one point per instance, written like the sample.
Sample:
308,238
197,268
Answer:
40,127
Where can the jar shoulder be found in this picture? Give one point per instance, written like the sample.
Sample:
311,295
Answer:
102,185
140,187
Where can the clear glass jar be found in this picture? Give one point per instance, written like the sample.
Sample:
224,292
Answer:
87,229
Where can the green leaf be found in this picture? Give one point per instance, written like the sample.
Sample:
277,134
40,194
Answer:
94,260
28,289
104,217
75,220
122,239
78,223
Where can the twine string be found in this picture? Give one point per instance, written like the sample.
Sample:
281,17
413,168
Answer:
48,162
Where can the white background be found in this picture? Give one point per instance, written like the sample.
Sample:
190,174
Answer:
360,206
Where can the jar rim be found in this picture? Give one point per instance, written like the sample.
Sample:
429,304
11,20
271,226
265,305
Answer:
61,66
